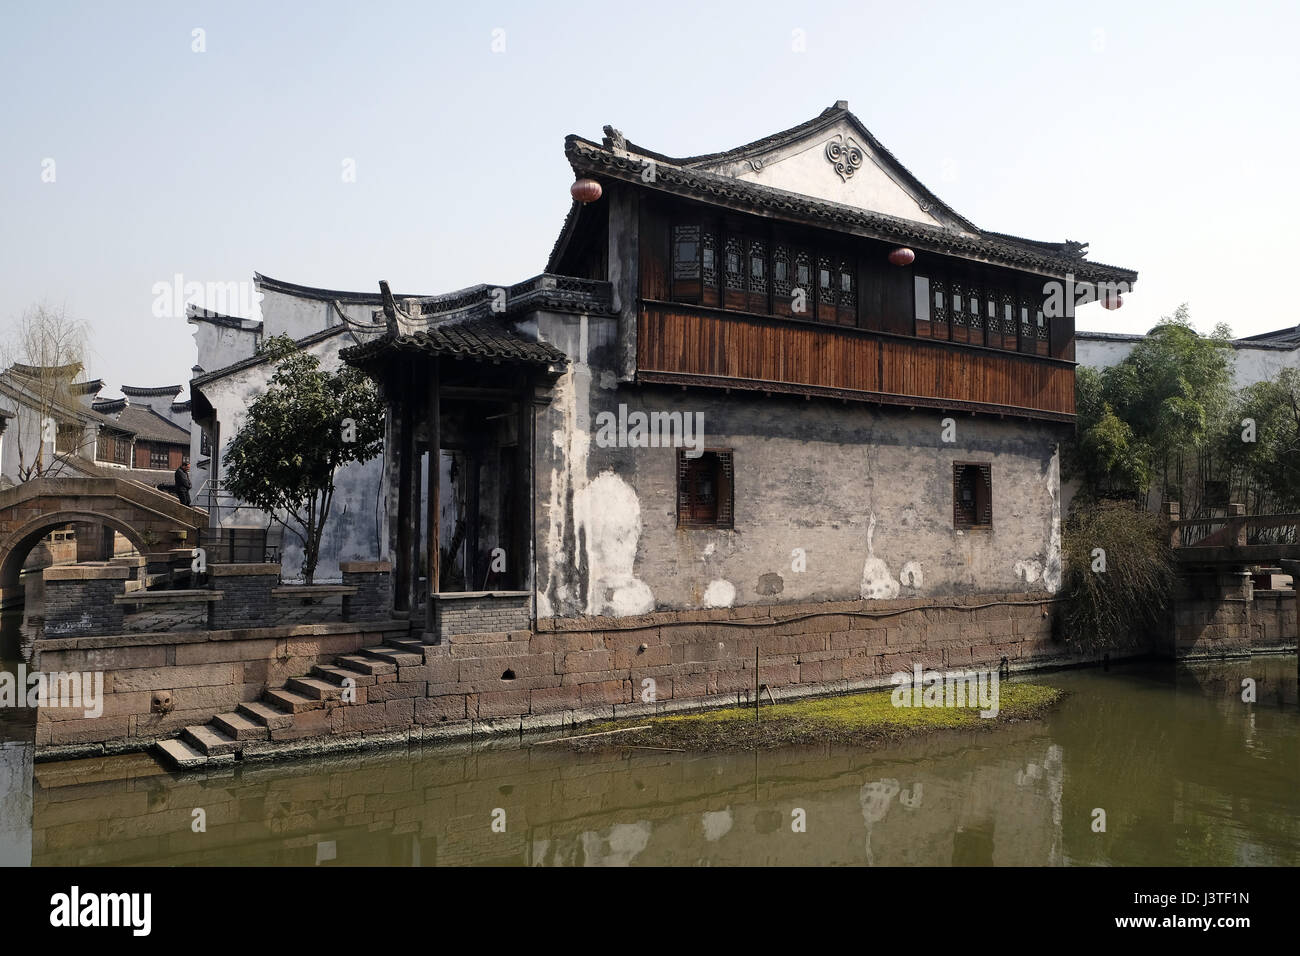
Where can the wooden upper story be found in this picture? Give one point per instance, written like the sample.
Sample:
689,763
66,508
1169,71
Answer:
741,285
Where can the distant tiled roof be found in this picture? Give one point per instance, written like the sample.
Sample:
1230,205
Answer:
478,339
134,392
145,423
1281,336
311,292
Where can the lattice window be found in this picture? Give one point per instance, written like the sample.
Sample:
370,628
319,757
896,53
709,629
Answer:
708,251
159,457
826,280
972,495
921,304
782,271
939,294
1009,318
758,266
848,293
958,312
705,490
973,300
686,252
734,264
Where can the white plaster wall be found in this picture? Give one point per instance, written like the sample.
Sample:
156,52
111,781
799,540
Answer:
803,168
1250,363
353,528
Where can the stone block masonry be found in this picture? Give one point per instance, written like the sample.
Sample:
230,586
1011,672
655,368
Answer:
472,612
373,598
248,598
79,599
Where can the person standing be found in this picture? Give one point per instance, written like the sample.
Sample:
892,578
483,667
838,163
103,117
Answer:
183,483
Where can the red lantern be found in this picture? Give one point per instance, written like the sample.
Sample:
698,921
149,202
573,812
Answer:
585,190
902,256
1113,301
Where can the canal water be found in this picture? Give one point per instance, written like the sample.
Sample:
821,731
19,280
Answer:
1184,770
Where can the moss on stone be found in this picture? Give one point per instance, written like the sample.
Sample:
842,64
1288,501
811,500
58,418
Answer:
865,718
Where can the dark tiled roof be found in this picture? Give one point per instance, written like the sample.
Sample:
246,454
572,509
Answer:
1281,337
824,120
481,339
135,392
684,177
145,423
311,292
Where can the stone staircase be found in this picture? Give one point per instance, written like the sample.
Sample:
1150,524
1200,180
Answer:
223,738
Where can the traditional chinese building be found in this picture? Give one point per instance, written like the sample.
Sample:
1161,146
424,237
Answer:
881,385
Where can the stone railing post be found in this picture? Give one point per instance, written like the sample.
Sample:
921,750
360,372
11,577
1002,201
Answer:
373,600
1237,522
246,599
1171,512
79,600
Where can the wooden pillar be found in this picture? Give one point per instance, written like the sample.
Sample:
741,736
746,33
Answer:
520,557
405,454
473,469
433,406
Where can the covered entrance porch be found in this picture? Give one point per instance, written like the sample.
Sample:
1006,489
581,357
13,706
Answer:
461,400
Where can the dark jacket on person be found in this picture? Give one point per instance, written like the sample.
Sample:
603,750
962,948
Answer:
183,486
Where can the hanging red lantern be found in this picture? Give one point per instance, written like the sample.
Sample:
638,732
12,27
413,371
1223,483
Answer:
902,256
1112,301
585,190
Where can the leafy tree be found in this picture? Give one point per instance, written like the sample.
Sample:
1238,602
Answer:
1161,409
298,433
1266,471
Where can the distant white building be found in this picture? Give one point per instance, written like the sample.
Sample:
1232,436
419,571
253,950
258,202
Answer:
1256,358
230,374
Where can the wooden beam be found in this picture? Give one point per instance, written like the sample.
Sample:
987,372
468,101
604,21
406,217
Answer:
433,408
405,453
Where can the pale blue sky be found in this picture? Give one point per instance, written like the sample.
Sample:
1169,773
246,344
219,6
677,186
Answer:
1163,134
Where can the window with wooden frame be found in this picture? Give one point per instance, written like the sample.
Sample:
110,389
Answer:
159,457
957,312
972,495
1008,300
686,263
921,304
705,489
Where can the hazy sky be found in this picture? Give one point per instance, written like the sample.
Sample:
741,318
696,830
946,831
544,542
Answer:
1162,134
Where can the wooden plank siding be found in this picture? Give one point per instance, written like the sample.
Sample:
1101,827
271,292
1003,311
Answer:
680,344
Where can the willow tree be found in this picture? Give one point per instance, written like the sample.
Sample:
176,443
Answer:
308,423
43,355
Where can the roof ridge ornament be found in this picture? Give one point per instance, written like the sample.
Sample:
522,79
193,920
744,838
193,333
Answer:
845,155
615,140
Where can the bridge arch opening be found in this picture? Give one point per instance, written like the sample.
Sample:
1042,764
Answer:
18,544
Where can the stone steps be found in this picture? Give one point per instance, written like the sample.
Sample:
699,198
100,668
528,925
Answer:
269,717
314,688
222,738
238,726
292,702
336,675
180,754
209,740
393,655
365,665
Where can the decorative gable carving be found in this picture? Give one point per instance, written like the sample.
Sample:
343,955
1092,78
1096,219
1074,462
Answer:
845,156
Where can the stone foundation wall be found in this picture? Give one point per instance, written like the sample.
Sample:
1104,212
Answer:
155,685
1220,614
1273,621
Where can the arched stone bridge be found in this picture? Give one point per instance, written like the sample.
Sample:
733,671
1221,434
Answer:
150,519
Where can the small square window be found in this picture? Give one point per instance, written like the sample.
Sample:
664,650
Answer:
705,491
972,495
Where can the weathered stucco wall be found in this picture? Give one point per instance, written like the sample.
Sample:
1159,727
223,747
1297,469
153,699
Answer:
865,492
352,532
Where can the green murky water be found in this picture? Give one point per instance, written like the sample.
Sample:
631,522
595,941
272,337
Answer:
1186,772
